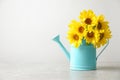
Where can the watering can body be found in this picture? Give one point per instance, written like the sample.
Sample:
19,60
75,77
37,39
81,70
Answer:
81,58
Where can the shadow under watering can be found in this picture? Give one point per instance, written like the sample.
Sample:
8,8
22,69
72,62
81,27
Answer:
81,58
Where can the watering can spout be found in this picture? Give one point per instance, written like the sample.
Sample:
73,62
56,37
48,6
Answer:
67,54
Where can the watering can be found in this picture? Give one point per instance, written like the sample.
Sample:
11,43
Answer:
81,58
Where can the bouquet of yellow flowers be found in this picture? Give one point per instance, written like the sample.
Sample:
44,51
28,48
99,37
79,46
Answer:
91,28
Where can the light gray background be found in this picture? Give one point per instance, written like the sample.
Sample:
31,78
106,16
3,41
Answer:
28,26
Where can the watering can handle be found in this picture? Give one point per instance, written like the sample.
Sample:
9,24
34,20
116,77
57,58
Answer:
102,50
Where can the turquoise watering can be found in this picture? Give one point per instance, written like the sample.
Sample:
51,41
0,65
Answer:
81,58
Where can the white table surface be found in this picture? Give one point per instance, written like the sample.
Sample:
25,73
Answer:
105,71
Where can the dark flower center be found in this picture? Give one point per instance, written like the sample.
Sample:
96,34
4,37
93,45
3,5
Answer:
81,29
99,26
101,36
76,37
88,21
90,34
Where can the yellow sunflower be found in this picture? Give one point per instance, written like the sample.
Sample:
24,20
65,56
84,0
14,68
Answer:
74,38
104,36
101,24
88,17
77,27
91,36
80,29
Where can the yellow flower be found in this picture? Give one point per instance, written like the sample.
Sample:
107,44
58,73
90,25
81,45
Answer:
93,29
80,29
74,38
88,17
77,27
91,36
104,36
101,24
